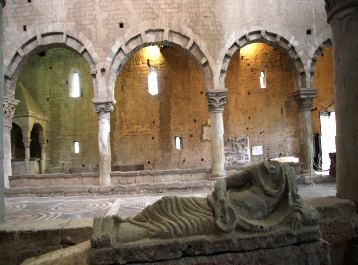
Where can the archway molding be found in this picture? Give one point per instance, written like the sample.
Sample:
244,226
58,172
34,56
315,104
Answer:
286,44
41,38
323,41
159,32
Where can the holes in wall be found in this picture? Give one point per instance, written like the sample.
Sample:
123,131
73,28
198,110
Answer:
121,25
178,142
24,28
29,1
75,85
308,31
76,147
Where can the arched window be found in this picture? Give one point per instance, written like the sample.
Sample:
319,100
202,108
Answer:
75,85
153,81
263,78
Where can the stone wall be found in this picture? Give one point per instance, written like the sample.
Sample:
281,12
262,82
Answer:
268,117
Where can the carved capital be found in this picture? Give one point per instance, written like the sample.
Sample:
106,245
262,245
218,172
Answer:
216,100
8,109
335,6
104,107
304,98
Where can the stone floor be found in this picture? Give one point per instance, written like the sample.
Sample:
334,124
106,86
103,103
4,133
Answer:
49,208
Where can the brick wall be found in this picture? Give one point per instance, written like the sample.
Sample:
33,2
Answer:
324,82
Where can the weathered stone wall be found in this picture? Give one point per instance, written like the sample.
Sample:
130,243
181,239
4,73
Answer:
268,117
143,126
324,82
47,79
214,21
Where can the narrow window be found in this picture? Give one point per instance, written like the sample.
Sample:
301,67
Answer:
178,142
76,147
153,81
263,78
75,86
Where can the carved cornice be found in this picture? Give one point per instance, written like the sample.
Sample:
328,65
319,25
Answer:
335,6
3,2
106,107
216,100
304,98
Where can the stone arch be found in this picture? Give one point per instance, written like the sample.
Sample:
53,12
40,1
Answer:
323,41
280,43
41,38
170,34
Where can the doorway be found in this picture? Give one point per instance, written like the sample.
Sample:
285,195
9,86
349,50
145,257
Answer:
328,137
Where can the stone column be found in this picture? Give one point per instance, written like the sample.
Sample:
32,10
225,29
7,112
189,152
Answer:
8,111
304,99
2,197
342,15
216,103
27,155
104,113
43,157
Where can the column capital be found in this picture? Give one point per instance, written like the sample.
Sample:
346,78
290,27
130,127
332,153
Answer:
104,106
8,108
333,7
3,2
216,100
304,98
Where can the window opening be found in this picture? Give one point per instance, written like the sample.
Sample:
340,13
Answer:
75,88
153,81
178,142
263,78
76,147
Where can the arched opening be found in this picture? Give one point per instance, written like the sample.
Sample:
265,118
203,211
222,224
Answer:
46,83
17,144
260,124
323,112
144,126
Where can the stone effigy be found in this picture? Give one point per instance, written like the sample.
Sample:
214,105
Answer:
255,209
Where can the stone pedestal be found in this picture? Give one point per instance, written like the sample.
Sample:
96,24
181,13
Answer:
304,99
216,103
343,18
104,113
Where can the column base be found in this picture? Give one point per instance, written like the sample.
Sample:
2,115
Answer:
308,177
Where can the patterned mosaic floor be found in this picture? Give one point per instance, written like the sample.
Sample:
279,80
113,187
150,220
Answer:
39,208
24,208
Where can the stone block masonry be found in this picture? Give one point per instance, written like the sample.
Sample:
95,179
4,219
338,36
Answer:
20,240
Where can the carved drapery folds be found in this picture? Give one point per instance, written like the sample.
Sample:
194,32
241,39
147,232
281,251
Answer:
304,98
216,100
335,6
